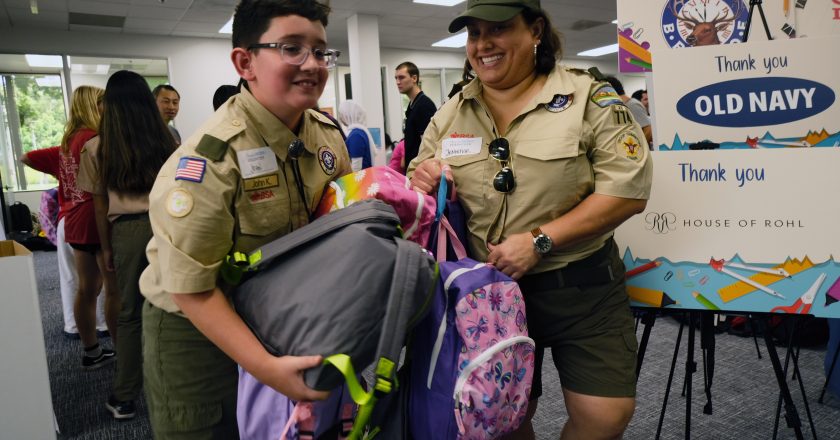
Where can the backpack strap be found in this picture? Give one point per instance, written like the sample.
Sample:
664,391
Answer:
399,316
238,263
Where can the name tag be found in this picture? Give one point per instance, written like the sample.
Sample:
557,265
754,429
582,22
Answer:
453,147
257,162
255,183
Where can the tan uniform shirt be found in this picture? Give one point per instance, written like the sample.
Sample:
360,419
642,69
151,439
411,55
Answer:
89,180
575,138
230,187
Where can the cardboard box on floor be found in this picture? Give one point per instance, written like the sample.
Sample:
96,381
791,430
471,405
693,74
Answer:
26,410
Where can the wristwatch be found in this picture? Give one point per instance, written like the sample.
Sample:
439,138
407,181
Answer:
542,242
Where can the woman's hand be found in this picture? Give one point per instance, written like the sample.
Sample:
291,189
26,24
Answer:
515,256
426,176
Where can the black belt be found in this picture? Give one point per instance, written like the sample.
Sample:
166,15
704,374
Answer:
590,271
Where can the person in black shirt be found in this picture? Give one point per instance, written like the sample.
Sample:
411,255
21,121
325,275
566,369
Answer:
420,108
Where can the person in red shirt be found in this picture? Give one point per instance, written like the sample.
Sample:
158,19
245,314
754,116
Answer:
46,161
80,229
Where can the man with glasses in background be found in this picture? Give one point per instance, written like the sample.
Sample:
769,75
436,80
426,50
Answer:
235,187
169,102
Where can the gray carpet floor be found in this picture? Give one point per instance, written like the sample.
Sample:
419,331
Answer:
744,387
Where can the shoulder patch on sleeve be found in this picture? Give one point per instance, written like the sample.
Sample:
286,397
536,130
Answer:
212,148
605,96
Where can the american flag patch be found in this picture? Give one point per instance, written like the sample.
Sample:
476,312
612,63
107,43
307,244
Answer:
191,169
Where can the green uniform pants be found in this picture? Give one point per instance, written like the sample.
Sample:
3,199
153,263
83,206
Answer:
191,384
130,235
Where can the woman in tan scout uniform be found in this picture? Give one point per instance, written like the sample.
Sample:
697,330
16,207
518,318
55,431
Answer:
547,162
231,187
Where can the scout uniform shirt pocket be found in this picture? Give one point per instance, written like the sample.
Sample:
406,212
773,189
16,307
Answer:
263,201
472,178
552,173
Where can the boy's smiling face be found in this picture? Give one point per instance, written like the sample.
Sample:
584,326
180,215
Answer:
285,89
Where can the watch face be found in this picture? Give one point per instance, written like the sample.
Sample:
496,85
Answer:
542,243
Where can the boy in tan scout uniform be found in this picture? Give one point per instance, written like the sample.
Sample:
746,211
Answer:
231,187
547,162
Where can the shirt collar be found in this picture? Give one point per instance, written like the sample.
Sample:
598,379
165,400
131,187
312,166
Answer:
272,130
556,83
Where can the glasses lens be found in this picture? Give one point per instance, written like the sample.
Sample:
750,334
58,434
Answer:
504,182
500,149
294,53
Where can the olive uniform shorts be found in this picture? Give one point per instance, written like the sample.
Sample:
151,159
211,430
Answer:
582,313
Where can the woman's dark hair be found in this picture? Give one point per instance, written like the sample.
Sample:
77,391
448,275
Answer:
252,17
134,140
549,51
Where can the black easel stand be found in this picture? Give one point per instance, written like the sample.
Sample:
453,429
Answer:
648,319
753,4
793,322
791,415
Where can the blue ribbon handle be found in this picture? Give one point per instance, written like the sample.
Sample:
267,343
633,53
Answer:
441,196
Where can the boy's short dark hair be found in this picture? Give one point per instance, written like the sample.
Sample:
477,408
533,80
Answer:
156,90
638,94
252,17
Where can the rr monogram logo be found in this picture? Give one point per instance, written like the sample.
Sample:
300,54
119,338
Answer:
661,223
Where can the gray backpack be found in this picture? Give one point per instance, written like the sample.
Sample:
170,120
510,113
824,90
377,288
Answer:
345,286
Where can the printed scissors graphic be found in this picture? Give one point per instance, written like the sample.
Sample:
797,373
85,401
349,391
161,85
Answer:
804,301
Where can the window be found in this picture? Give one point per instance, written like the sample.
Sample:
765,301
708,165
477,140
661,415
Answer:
33,92
32,118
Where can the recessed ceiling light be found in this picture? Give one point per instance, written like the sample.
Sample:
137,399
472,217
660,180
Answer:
457,40
598,51
44,61
227,28
440,2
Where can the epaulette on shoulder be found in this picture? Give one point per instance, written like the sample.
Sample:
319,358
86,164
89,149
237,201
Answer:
212,147
577,71
596,74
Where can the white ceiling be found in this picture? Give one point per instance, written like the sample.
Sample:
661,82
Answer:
402,24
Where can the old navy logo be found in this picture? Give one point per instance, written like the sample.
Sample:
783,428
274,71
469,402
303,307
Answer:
559,103
755,102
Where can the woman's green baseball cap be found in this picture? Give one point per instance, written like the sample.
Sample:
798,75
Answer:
492,10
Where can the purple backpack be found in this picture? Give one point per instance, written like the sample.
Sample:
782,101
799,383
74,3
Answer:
472,359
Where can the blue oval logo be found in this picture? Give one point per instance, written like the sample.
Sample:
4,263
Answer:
754,102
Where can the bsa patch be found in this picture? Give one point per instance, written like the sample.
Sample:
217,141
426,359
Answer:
264,182
179,202
260,196
559,103
327,160
629,144
606,96
191,169
621,115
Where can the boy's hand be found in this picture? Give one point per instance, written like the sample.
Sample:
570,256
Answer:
285,374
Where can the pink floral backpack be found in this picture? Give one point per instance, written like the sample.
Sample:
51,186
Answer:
472,359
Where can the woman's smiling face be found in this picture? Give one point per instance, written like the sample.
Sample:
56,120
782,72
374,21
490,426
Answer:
502,53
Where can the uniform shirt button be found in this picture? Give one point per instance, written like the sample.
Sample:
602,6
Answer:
236,123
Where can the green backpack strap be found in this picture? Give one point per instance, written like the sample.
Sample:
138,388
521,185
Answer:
385,370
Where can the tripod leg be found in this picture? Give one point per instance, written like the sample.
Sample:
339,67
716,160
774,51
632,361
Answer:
797,373
690,368
707,343
670,380
755,335
648,320
791,415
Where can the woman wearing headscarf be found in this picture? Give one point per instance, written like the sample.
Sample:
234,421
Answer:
359,141
547,162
